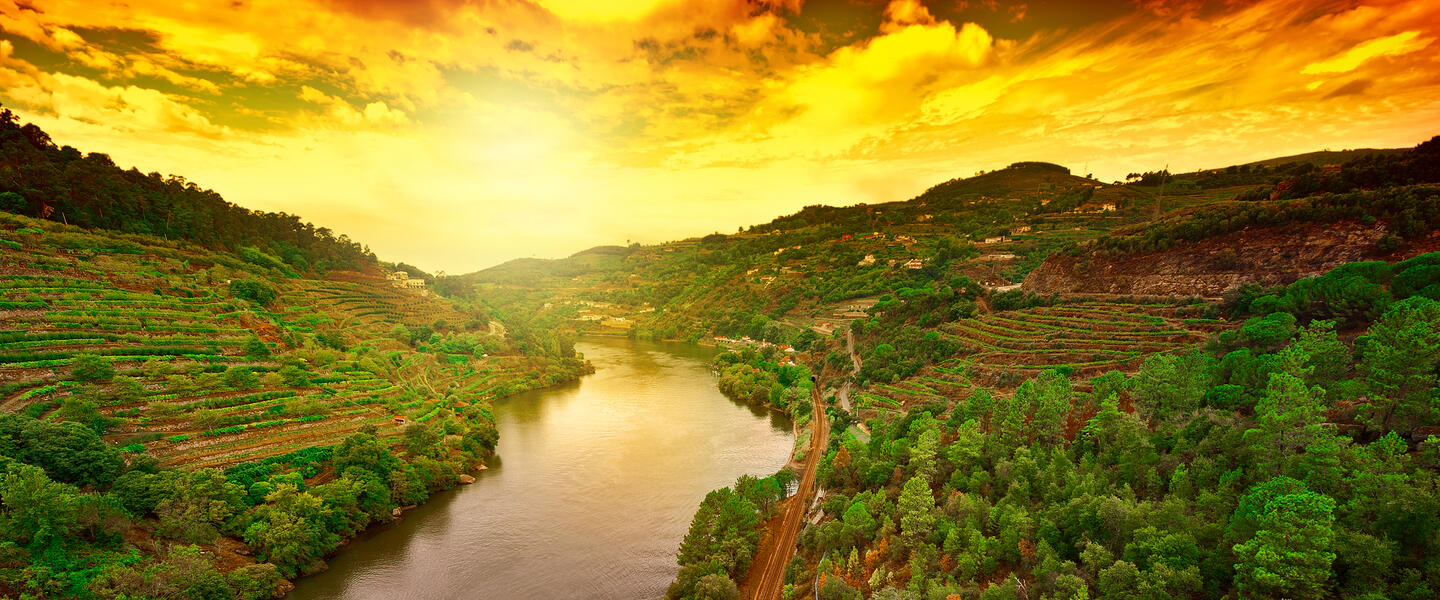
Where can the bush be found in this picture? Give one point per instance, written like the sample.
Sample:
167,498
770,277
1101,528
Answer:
88,367
253,290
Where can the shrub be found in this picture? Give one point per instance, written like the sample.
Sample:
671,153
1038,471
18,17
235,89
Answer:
253,290
88,367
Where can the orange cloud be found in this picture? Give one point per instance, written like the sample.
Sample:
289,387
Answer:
667,118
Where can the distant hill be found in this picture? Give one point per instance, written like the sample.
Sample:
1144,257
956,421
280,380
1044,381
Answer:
1329,157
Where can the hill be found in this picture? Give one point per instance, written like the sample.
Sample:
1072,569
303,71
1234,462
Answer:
223,407
1296,227
1103,429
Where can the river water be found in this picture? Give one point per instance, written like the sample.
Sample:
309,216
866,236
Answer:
594,487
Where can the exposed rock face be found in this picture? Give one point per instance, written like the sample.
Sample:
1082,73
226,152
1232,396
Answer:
1269,256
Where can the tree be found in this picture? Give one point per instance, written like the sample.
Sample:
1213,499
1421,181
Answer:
917,512
1399,360
196,506
420,440
256,348
88,367
13,202
242,378
1290,417
859,525
1170,386
1290,555
36,512
253,290
289,530
69,452
716,587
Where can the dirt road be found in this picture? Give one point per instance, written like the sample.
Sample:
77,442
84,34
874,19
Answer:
767,573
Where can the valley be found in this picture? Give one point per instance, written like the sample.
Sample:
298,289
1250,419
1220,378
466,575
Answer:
1023,384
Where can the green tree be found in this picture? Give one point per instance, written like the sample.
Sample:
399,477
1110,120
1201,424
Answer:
1289,418
1399,360
13,202
253,290
289,530
917,512
88,367
1290,555
1171,386
716,587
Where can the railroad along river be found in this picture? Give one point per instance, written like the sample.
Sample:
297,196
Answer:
594,486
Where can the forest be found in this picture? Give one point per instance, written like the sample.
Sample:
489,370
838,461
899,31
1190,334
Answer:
40,179
1292,458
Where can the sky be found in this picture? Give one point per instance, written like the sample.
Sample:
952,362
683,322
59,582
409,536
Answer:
457,134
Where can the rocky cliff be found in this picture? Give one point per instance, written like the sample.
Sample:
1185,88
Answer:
1269,255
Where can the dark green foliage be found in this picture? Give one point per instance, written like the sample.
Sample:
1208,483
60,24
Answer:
68,452
253,290
38,172
1231,478
722,539
88,367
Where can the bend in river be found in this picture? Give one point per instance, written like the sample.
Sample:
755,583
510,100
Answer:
594,486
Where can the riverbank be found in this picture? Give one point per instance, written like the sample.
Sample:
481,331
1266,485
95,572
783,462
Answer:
648,434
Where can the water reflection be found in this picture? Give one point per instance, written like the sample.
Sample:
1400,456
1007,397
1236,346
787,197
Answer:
597,485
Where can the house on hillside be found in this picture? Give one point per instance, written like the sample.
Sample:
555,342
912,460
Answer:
846,237
905,239
399,276
1020,229
414,284
996,239
1107,207
869,260
915,264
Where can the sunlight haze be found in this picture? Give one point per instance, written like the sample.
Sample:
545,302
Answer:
457,135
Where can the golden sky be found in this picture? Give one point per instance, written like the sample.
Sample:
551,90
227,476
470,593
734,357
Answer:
456,134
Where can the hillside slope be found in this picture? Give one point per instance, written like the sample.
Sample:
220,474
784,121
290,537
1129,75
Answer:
221,408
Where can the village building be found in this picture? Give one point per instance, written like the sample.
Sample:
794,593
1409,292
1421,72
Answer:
915,264
1020,229
869,260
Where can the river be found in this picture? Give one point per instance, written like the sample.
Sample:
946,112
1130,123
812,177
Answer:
592,490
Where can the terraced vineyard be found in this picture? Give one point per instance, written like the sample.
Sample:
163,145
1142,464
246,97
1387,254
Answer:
999,350
147,340
1087,338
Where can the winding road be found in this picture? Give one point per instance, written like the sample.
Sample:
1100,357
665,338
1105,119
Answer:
766,578
767,574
